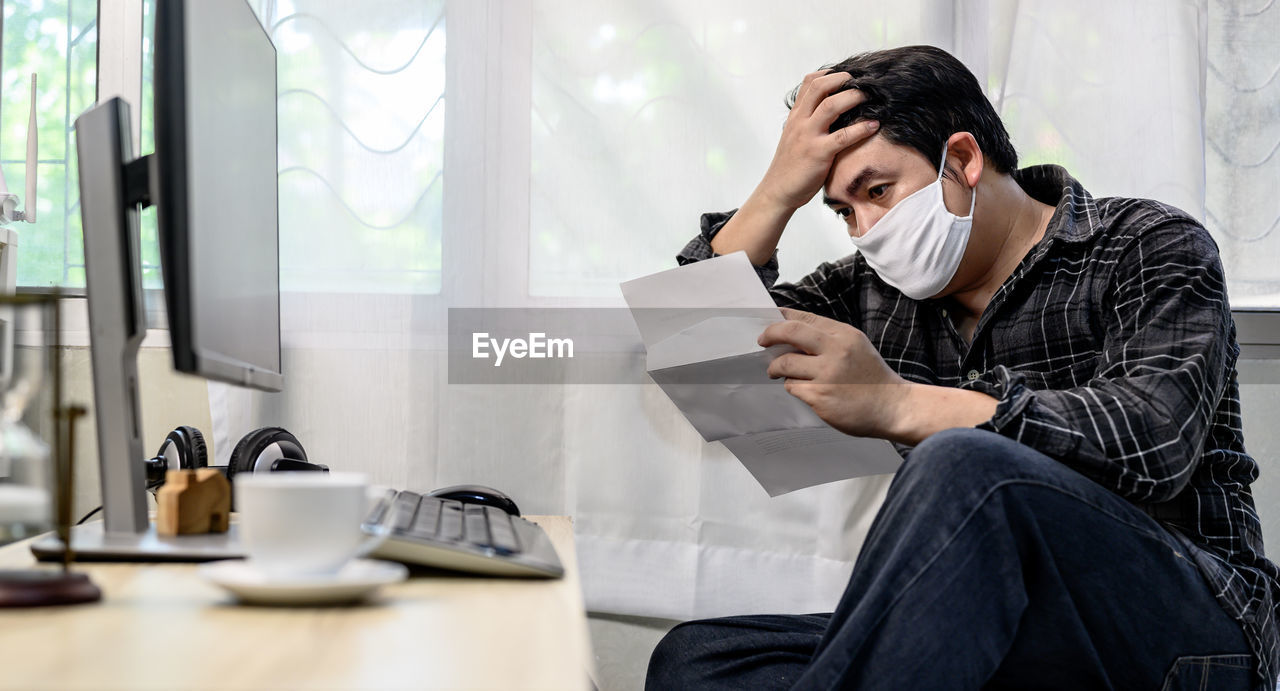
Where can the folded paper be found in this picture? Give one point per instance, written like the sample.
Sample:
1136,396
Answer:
699,324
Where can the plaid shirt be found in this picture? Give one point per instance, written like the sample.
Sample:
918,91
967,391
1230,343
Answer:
1112,349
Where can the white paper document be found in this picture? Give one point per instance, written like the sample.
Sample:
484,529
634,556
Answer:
699,324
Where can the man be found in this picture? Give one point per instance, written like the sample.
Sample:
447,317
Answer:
1075,512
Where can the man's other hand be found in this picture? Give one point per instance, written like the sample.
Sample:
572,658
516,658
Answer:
806,149
838,373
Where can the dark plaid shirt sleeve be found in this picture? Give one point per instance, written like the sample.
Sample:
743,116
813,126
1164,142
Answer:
699,247
1139,424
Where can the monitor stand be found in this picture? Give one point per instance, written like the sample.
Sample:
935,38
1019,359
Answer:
113,186
91,542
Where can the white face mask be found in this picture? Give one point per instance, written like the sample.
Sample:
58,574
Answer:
917,245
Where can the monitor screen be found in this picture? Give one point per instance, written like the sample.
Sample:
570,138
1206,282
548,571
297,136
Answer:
214,185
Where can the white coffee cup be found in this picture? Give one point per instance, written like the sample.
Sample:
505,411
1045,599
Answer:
299,524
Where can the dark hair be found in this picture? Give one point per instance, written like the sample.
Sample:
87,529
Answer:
921,95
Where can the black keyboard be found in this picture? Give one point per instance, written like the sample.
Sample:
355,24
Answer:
450,534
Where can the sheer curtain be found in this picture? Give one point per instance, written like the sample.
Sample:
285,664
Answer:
1242,138
577,146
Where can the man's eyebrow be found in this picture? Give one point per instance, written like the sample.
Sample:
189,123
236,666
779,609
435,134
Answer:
860,179
854,185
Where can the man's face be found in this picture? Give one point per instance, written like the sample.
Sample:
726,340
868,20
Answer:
866,180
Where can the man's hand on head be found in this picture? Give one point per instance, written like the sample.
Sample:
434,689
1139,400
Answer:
838,373
806,149
799,168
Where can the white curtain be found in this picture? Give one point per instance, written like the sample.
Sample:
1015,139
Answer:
1242,137
577,146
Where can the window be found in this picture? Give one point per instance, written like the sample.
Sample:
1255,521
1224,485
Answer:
361,139
362,105
1242,141
150,241
642,116
57,39
645,115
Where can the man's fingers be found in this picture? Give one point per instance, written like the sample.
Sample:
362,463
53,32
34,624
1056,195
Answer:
795,315
802,389
849,135
793,333
810,77
837,104
793,366
818,321
817,89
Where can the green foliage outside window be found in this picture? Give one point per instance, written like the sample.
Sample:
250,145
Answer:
57,39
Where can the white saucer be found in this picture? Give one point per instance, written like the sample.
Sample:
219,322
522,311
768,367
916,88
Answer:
355,581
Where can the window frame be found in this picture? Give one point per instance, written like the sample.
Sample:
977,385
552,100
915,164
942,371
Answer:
1258,333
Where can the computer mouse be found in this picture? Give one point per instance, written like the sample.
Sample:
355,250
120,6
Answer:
478,494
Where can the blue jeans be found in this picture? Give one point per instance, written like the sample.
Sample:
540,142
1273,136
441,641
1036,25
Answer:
989,566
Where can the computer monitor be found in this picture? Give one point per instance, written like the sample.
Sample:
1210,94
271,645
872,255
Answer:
215,192
213,180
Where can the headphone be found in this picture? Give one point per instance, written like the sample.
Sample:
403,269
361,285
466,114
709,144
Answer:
263,450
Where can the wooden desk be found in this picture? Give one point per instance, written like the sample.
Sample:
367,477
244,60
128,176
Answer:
161,626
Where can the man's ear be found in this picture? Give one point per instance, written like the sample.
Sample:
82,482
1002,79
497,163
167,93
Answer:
965,157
